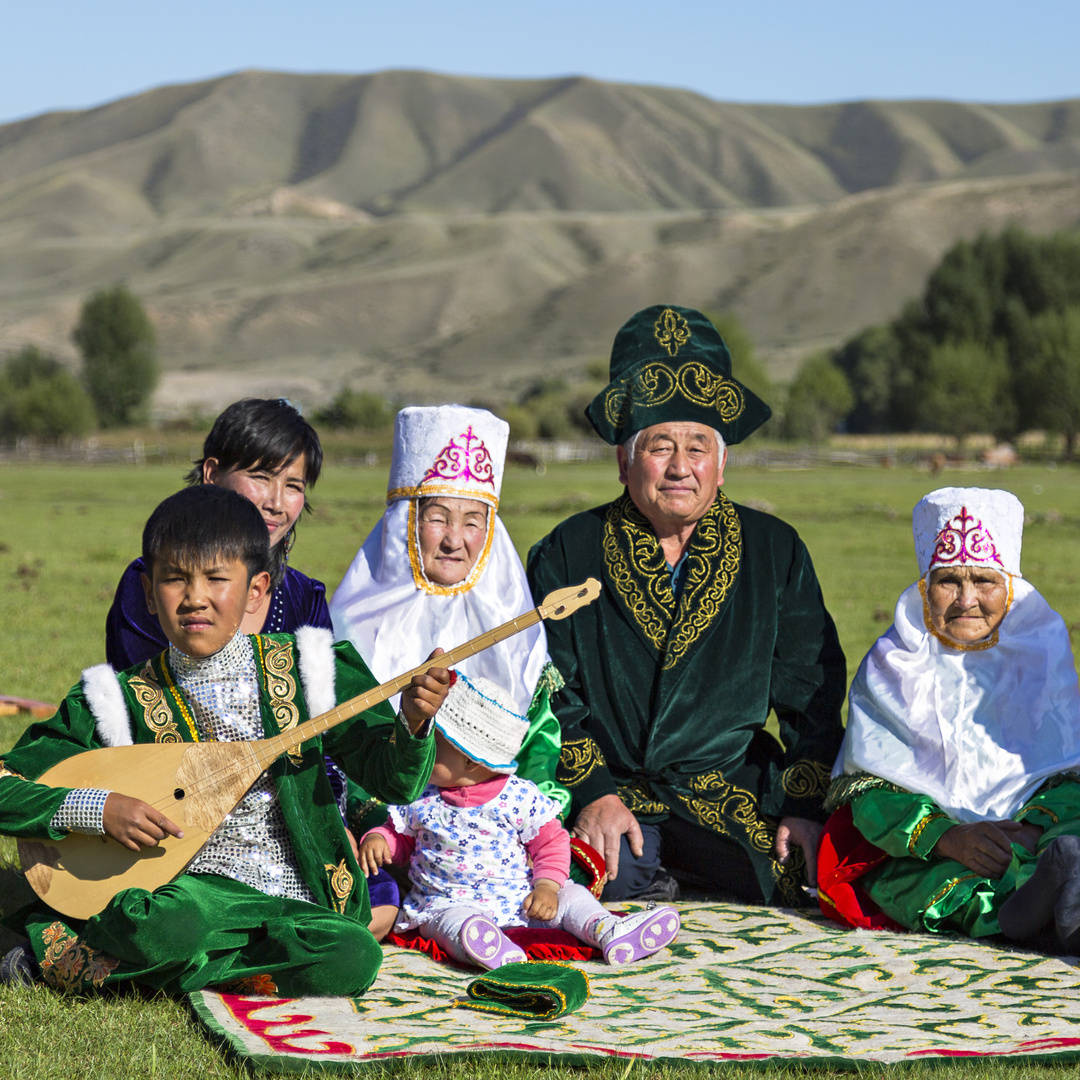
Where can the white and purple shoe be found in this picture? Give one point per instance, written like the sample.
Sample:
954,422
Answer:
636,936
486,945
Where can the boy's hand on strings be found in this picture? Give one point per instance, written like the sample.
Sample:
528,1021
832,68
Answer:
374,852
135,824
543,902
422,697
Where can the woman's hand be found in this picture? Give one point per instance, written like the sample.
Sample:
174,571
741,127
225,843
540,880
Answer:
985,846
135,824
542,903
374,853
421,699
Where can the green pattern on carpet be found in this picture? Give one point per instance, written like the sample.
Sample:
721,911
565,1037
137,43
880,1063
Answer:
740,983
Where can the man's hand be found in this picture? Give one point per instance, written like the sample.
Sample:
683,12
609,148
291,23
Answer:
135,824
602,823
805,833
986,846
422,697
374,852
543,902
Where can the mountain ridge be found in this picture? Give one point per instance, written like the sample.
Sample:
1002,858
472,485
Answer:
389,227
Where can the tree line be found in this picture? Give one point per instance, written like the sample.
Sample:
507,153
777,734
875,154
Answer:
991,346
41,398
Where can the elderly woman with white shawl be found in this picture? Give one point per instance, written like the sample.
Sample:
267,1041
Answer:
959,807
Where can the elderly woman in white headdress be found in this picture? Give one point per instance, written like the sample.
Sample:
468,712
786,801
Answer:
440,568
958,806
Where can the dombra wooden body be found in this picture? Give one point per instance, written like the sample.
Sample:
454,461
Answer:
197,784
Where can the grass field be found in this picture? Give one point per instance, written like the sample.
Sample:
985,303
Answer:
66,533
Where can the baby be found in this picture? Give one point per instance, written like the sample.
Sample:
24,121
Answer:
486,850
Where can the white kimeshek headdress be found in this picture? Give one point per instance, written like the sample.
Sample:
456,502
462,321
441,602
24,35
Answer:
976,727
389,609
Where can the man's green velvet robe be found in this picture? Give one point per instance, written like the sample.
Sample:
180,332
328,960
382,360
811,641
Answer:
372,748
665,704
923,891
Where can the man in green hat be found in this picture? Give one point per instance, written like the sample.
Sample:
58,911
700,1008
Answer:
711,617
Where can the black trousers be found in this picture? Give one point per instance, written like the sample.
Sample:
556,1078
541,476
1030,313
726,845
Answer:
696,856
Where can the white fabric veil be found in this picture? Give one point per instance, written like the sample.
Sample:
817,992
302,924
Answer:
386,606
977,728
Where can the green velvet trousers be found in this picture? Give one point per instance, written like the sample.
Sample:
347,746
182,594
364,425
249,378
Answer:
943,895
203,930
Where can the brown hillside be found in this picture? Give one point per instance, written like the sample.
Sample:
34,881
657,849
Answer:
430,235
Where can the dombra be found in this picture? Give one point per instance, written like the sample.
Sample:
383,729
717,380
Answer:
198,784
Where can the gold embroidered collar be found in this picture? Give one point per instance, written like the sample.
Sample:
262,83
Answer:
635,565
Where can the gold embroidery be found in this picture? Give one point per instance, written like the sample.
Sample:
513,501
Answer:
947,888
635,564
716,803
579,757
279,663
639,800
69,963
156,714
712,565
672,331
341,884
450,490
420,579
181,705
919,829
805,779
845,789
550,683
655,383
5,771
975,646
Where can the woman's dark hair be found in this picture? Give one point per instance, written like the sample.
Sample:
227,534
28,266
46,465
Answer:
200,524
264,433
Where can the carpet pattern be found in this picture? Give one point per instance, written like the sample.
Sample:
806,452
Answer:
740,983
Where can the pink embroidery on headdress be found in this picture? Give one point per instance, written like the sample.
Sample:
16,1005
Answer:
463,458
960,542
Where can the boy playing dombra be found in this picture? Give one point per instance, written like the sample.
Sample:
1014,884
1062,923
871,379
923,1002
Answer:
275,896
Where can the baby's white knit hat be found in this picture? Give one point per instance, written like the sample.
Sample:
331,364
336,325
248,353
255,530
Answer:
478,718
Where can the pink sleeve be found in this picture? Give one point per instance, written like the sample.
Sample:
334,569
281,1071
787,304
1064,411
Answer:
401,847
550,852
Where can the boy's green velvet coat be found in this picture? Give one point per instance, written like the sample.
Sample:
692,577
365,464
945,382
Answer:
373,749
665,704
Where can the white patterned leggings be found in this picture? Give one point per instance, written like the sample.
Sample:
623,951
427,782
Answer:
578,913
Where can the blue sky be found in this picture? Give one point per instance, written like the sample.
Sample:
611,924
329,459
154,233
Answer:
76,54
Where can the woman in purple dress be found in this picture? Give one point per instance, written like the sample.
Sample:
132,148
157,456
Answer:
265,450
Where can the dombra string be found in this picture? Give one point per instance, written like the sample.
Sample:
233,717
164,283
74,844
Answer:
556,605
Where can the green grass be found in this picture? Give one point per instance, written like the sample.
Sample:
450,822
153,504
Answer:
66,532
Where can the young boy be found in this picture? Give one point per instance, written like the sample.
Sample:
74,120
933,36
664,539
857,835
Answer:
275,896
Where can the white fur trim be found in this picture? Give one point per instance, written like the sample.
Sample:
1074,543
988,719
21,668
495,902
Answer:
106,701
315,645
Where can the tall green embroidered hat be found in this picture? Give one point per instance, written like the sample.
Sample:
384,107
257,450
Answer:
671,364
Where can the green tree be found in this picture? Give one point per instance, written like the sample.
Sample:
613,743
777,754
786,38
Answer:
968,391
745,365
41,399
357,409
1055,370
118,346
818,399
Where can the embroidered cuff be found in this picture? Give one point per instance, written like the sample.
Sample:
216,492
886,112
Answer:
81,812
927,832
425,729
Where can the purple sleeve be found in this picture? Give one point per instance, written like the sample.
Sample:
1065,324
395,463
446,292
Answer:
304,603
132,634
